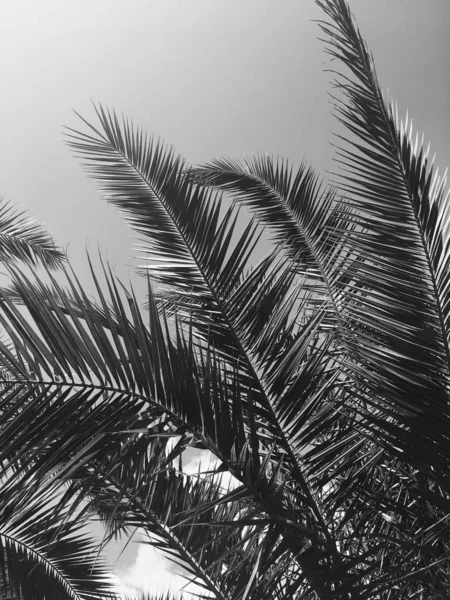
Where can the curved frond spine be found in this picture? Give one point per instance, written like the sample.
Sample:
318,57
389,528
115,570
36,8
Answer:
396,303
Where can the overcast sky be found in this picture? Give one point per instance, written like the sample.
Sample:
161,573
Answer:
212,77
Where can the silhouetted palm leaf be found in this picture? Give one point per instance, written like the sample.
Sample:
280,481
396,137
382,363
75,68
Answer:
402,282
21,238
48,554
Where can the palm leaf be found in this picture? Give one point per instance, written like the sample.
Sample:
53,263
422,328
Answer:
67,362
269,335
22,239
48,554
402,298
302,217
217,536
189,245
108,381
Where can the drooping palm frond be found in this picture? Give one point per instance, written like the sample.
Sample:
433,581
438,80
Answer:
73,360
302,216
106,381
294,205
22,239
48,554
40,427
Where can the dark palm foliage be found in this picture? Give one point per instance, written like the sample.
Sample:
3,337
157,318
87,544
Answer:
318,378
45,553
21,238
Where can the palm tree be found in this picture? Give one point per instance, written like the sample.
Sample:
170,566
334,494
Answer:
318,377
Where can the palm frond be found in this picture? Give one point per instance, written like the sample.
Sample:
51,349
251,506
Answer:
397,302
48,554
310,223
269,349
22,239
217,535
146,181
67,363
294,206
180,222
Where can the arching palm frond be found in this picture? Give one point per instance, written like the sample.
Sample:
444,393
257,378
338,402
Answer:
399,292
181,223
22,239
302,216
308,222
46,554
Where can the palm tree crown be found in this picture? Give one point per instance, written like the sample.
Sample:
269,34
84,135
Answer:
319,377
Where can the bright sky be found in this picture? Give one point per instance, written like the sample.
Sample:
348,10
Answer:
213,77
139,567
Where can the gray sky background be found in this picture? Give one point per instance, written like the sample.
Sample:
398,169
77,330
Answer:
212,77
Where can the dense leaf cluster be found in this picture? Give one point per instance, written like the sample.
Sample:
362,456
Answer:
318,377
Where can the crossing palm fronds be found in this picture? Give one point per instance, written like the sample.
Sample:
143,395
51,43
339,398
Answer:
317,377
